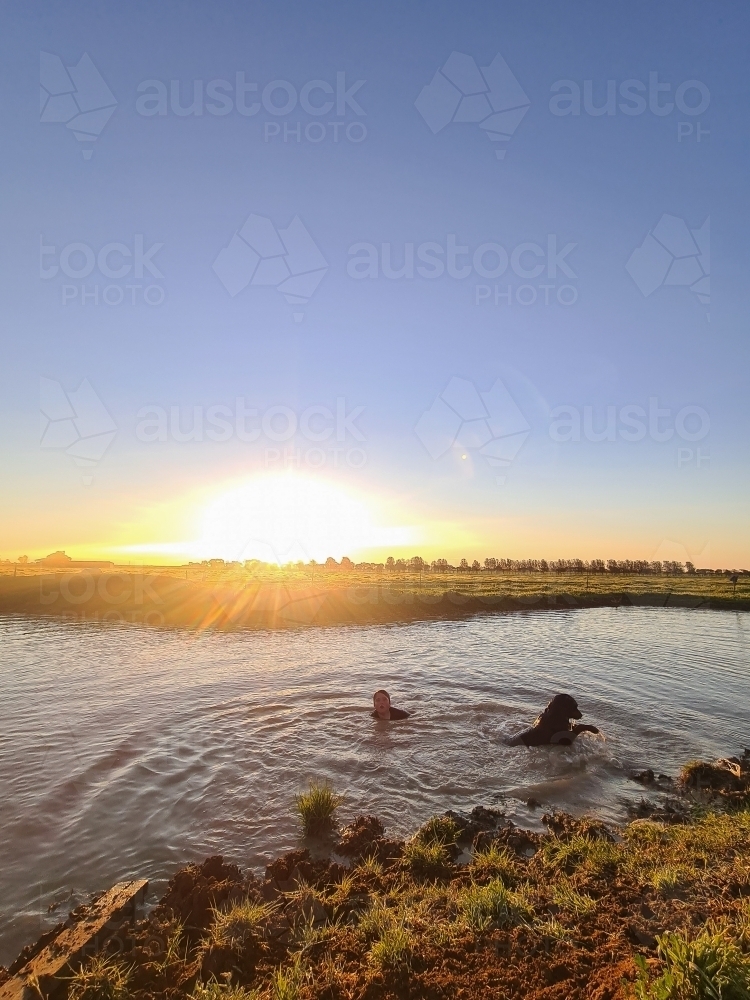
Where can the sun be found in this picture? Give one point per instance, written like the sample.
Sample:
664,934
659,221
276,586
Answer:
285,517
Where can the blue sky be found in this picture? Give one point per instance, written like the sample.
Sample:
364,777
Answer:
602,182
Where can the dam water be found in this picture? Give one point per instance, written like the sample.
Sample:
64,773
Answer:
127,751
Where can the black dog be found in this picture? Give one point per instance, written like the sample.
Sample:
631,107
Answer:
553,725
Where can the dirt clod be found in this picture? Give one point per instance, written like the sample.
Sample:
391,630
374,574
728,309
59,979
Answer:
359,838
724,776
196,890
565,826
284,867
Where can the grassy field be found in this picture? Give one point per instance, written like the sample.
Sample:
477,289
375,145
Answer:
226,597
473,584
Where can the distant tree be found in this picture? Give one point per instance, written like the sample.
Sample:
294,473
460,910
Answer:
22,560
417,563
476,566
490,564
463,566
390,563
440,565
689,568
331,563
401,564
346,563
543,566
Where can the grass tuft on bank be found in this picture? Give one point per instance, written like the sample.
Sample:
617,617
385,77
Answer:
101,978
709,966
317,808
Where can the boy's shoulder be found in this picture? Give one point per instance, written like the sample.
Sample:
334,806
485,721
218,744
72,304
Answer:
399,713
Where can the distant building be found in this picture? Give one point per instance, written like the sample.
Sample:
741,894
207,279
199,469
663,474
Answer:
60,560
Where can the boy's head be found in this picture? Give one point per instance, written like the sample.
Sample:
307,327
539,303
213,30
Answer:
382,702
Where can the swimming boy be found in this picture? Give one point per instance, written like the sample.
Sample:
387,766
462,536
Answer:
382,702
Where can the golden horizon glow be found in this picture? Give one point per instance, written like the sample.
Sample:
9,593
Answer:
289,516
275,517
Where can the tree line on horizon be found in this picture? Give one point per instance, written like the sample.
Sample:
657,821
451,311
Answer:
495,565
417,564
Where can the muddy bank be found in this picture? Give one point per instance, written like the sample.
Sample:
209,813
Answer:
165,601
470,906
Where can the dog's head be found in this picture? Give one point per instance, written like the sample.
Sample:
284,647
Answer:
562,708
